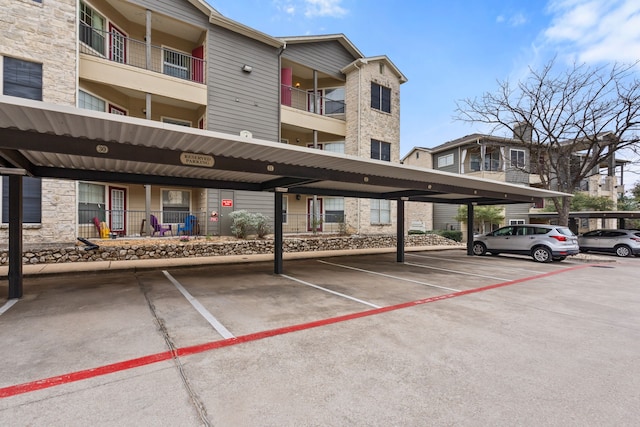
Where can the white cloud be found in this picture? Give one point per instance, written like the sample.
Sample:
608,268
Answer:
514,20
595,30
329,8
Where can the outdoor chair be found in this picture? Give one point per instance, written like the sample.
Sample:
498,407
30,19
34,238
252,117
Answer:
189,226
159,228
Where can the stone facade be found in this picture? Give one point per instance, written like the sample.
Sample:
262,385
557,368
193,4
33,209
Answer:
415,211
365,124
203,248
46,33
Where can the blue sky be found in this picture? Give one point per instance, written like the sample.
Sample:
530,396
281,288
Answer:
455,49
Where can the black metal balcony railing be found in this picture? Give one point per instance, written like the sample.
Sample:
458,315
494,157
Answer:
307,101
102,223
116,47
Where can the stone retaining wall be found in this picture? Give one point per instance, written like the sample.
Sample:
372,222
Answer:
147,249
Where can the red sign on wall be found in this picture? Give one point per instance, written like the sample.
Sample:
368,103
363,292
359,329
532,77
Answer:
227,203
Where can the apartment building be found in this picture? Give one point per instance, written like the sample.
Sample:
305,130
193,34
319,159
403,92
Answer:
506,160
182,63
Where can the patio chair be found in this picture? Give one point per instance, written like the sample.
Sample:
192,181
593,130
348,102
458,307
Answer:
189,226
159,228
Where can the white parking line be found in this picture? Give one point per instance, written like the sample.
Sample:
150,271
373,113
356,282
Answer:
481,263
456,272
203,311
330,291
390,276
7,305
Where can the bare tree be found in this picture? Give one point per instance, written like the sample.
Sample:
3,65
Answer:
571,121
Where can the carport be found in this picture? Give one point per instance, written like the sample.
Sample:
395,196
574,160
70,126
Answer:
52,141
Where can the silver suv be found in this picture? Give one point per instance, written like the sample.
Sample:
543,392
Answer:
544,243
622,242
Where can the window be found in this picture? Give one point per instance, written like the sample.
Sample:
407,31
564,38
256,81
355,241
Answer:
22,78
334,147
177,122
516,221
517,158
334,209
492,160
380,211
380,150
92,28
474,162
31,200
334,101
380,98
90,102
175,205
285,207
118,45
91,202
446,160
176,64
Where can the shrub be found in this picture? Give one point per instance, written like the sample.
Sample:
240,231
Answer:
451,234
242,223
261,224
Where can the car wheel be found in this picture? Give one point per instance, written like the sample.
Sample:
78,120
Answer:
479,249
559,258
541,254
623,251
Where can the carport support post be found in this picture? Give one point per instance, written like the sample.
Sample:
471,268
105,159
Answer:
470,228
277,232
15,236
400,230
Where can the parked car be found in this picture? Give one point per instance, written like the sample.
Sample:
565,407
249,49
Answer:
622,242
544,243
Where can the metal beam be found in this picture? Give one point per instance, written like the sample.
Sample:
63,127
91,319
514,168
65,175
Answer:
15,236
400,231
277,234
17,160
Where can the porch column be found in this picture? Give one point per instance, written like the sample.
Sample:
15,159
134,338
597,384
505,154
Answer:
147,209
277,232
400,230
147,39
15,236
470,228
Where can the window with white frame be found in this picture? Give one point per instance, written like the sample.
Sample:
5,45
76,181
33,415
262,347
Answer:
90,102
445,160
176,64
334,209
92,28
176,205
516,221
380,211
517,158
380,98
91,202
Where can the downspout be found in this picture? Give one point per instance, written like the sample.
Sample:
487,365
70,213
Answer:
355,64
280,52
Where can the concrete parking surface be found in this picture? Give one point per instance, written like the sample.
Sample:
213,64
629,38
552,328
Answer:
443,339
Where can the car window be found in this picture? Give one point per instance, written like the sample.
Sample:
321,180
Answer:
613,234
594,233
637,234
504,231
521,231
538,230
565,231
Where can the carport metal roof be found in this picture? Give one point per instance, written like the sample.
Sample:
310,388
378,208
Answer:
54,141
64,142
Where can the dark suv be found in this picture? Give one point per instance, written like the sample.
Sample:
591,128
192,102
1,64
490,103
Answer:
544,243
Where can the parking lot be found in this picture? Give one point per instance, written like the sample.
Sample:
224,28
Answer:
442,339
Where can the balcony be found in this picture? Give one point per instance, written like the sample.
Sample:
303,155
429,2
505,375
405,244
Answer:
117,48
305,110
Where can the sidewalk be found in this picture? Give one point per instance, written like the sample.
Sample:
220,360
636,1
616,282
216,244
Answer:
148,264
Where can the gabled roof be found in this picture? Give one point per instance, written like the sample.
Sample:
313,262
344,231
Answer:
340,38
472,139
231,25
413,150
381,58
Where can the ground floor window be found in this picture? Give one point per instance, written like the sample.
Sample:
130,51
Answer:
334,209
380,211
31,200
91,203
516,221
176,205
